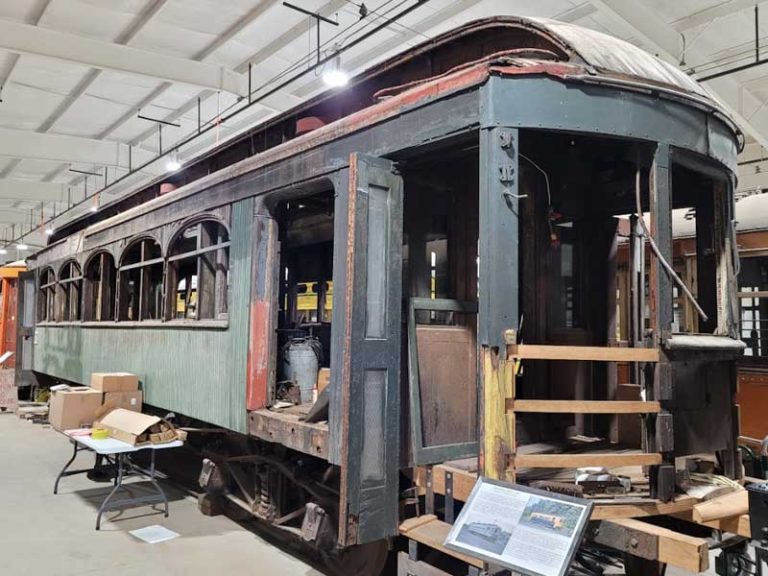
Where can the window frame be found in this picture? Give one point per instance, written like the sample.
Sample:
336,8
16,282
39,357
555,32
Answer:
143,290
220,291
93,311
48,292
69,291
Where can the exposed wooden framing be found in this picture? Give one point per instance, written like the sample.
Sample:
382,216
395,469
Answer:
661,544
583,406
586,353
430,531
733,524
464,482
579,460
498,438
289,430
730,505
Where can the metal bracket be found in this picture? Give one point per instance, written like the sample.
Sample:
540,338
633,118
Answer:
429,499
449,497
413,550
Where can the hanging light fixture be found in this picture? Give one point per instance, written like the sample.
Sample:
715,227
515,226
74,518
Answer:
49,231
173,164
333,75
21,246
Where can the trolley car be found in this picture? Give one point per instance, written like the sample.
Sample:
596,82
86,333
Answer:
463,200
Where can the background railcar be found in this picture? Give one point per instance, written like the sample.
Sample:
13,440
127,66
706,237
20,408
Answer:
465,190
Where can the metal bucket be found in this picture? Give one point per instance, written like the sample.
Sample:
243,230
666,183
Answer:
303,359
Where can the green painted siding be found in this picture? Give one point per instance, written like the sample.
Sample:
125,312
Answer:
197,372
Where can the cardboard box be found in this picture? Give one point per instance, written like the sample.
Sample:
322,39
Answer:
136,428
73,408
114,381
127,400
323,378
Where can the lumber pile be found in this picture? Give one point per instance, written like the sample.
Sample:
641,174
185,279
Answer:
35,412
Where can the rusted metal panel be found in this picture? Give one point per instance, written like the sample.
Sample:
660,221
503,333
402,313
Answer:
196,371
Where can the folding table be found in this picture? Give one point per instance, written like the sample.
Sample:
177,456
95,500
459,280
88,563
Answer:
117,452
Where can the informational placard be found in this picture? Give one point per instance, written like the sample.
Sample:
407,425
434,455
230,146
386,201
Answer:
530,531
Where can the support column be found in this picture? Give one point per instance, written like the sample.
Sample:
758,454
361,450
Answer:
661,304
498,292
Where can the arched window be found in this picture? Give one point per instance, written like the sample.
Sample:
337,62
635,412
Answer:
198,263
99,288
46,296
70,283
141,281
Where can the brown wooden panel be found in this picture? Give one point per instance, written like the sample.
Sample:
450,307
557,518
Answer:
753,401
448,384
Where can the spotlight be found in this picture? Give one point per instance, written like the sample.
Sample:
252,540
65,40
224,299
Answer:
3,251
335,77
49,231
94,208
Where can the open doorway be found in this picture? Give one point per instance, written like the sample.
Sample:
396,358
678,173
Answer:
305,296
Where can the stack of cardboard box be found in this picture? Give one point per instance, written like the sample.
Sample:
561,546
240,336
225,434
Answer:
75,407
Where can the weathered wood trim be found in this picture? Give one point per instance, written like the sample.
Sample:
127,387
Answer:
583,406
586,353
580,460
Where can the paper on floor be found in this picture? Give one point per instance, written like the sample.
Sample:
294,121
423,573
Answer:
154,534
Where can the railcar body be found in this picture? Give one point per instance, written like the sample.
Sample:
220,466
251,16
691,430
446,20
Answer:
466,188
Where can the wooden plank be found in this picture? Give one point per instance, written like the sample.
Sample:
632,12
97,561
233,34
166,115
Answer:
586,353
727,506
496,438
433,533
675,549
609,460
734,524
584,406
681,504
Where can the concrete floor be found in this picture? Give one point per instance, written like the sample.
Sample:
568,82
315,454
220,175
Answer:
45,534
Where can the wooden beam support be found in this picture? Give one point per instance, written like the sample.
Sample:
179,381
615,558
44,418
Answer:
728,506
734,524
430,531
586,353
675,549
610,460
661,544
583,406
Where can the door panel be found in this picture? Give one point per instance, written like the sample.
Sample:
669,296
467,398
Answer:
367,329
25,341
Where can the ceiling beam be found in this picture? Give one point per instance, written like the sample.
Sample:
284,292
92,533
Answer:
29,190
666,41
707,15
62,148
27,39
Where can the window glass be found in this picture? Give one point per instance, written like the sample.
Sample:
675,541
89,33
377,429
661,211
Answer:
141,282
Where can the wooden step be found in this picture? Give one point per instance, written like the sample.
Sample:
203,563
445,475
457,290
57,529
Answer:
584,353
430,531
608,460
583,406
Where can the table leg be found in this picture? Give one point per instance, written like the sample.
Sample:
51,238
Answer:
154,482
67,465
118,485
